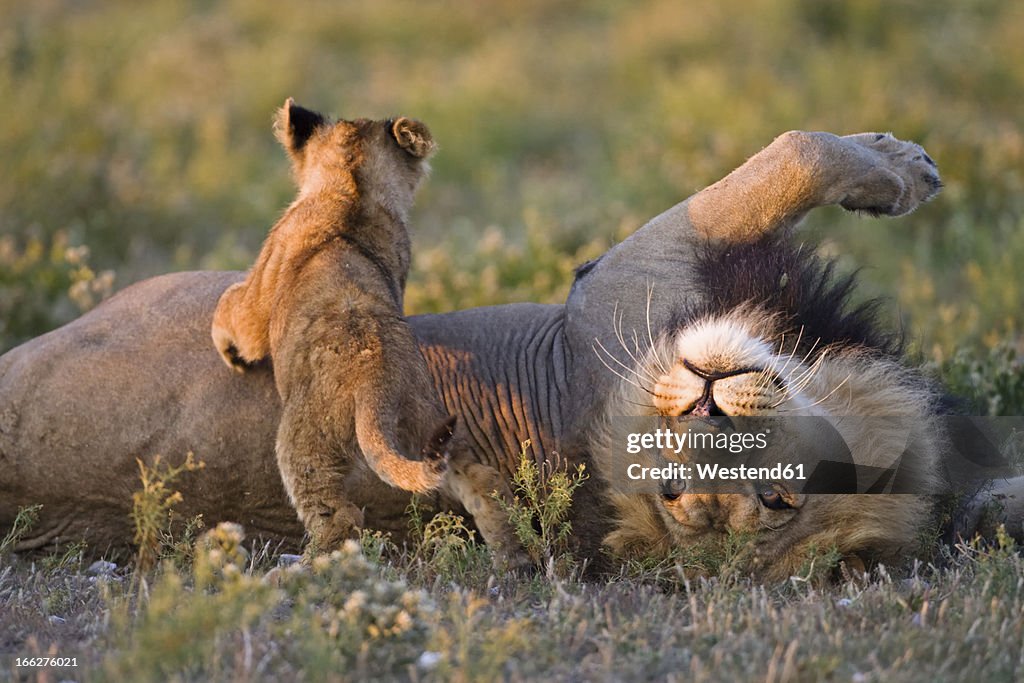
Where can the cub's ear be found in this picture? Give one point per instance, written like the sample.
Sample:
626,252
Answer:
413,137
294,125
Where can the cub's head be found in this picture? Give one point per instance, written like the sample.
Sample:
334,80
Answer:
383,161
772,348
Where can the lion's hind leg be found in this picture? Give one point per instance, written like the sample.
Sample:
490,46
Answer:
480,489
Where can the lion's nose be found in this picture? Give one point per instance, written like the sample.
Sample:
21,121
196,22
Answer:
671,489
705,405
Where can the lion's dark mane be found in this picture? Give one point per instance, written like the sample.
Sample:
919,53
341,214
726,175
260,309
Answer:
782,277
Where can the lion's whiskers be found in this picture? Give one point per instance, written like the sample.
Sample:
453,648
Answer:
616,372
804,380
649,406
792,389
766,376
799,381
793,352
650,336
828,395
655,354
803,360
617,327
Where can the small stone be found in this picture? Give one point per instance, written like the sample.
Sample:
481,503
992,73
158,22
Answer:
288,560
914,584
57,621
101,568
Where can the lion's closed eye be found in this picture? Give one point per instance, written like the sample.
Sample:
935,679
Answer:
773,497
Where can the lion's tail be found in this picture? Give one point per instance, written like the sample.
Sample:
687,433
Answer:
379,447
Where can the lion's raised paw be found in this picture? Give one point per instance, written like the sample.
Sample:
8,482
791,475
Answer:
899,175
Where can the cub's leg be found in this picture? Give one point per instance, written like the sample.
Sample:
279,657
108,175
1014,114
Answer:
240,334
799,171
314,477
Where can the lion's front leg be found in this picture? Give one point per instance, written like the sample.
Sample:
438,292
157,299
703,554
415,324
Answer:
800,171
478,488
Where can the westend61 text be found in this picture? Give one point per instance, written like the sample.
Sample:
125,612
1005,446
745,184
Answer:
714,472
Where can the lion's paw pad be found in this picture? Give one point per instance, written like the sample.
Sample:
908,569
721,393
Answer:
901,177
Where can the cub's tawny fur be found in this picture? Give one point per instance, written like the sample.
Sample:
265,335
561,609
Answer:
324,301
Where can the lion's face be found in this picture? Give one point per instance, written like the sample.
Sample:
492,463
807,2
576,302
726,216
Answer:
748,364
735,365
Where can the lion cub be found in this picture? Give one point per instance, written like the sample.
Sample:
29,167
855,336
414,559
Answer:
324,301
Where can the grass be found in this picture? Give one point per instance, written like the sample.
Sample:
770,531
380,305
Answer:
23,522
539,510
349,616
153,507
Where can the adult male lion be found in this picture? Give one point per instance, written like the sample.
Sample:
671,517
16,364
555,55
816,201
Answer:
137,376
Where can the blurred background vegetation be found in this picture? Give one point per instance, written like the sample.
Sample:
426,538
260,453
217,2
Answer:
136,138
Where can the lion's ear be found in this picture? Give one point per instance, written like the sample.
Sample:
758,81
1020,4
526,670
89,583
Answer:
294,125
414,137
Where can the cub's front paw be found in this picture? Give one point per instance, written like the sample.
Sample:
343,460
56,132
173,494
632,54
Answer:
225,344
234,359
331,526
899,176
231,355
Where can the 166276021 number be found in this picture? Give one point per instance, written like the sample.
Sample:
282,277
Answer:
45,661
